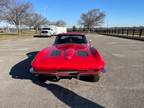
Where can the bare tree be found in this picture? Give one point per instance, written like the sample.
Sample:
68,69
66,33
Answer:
3,7
3,3
39,21
92,18
16,12
60,23
29,21
35,20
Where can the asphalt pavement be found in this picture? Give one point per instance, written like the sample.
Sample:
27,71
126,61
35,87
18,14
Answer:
121,87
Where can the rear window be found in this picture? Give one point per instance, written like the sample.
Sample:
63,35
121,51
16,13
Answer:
79,39
44,31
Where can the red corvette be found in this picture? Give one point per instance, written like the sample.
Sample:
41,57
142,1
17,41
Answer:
70,56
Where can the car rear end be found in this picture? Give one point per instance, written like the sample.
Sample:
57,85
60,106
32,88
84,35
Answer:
68,73
65,64
45,33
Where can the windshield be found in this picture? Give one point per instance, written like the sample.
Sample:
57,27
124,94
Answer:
46,29
79,39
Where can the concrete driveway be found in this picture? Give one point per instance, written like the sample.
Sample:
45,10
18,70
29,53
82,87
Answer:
121,87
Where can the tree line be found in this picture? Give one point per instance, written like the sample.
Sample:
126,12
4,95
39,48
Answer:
20,13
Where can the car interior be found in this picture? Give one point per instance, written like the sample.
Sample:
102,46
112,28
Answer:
70,39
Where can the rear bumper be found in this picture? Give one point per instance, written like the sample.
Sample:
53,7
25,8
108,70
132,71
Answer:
67,73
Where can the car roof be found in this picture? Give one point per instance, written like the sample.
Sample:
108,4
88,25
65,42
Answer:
71,34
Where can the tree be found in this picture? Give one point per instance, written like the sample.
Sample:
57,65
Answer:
92,19
3,7
35,20
16,12
74,28
30,20
60,23
39,21
3,3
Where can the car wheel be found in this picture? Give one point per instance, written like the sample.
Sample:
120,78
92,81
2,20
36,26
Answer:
42,78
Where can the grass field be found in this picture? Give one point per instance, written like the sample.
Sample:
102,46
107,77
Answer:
15,35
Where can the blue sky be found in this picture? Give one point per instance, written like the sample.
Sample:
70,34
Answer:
118,12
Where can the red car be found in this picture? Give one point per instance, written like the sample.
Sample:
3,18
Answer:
71,55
